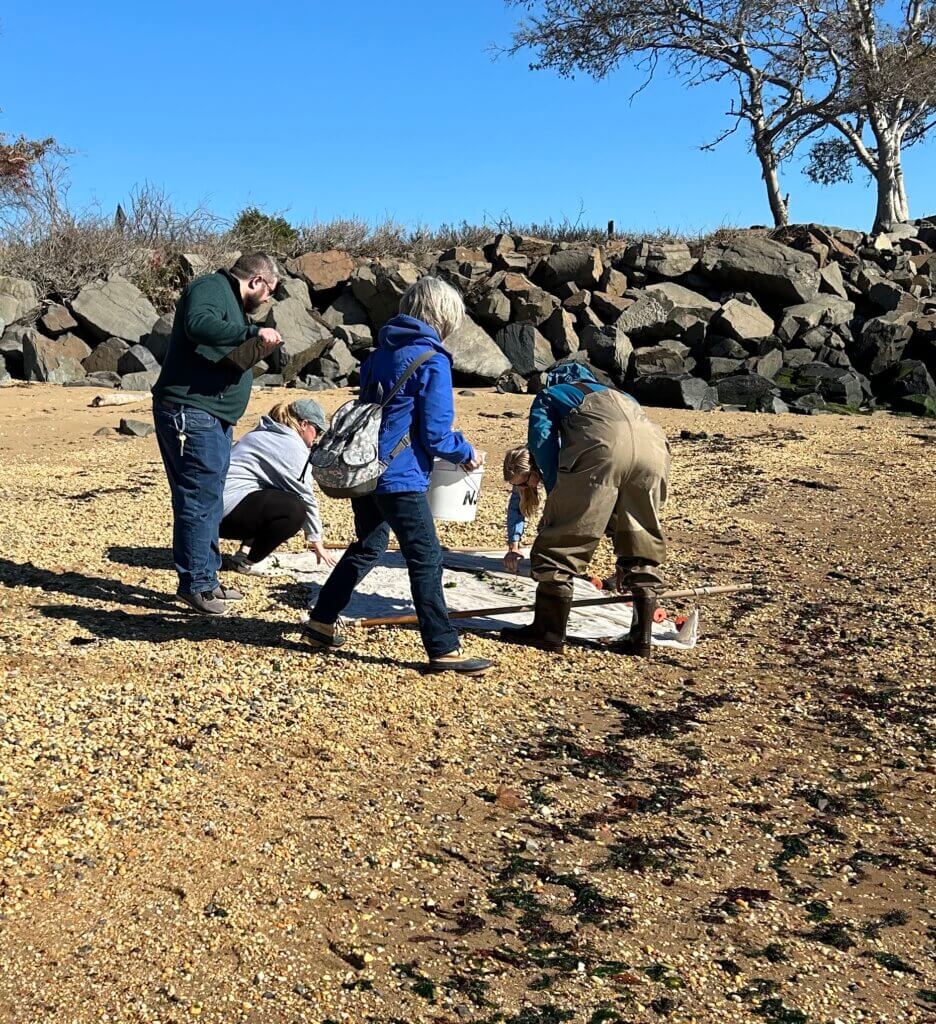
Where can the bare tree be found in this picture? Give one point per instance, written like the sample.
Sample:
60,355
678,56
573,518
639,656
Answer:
884,56
769,51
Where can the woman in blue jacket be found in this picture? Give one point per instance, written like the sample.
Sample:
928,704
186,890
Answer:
430,310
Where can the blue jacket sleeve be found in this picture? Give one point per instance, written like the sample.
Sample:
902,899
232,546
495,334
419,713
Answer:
435,411
515,521
543,439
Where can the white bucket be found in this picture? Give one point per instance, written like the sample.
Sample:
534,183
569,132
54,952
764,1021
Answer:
454,492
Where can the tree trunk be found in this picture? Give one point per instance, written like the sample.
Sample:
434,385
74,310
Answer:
904,205
768,162
888,212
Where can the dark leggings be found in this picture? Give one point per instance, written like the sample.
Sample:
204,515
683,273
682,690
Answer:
267,518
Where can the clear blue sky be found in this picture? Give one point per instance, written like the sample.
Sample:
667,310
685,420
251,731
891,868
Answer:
375,108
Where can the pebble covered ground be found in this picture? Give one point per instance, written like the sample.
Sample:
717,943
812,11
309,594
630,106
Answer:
202,820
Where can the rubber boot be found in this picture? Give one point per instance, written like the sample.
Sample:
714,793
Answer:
638,640
547,631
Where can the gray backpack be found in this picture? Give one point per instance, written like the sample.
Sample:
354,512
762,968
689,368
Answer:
345,462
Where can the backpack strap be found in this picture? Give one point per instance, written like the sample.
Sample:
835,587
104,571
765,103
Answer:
406,374
586,388
406,440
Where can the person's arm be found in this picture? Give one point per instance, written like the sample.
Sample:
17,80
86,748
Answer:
436,412
214,337
543,439
515,526
515,521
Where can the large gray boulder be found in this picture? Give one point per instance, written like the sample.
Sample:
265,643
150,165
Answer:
831,280
139,381
907,384
742,321
357,337
750,391
137,359
18,298
57,319
833,383
657,359
665,259
665,311
674,391
762,266
577,266
525,348
609,348
824,311
336,363
345,311
114,308
476,357
379,286
106,357
11,349
305,337
679,300
882,342
559,331
492,308
157,340
53,360
529,304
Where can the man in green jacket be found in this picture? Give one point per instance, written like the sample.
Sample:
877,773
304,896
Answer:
201,393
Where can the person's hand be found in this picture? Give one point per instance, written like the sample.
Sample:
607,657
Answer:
269,339
512,559
322,555
476,461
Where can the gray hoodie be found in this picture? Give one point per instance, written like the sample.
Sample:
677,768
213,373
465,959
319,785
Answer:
274,456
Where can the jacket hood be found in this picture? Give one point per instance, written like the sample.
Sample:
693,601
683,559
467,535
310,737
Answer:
403,331
568,373
273,427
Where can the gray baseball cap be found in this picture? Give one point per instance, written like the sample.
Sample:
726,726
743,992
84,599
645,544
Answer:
309,410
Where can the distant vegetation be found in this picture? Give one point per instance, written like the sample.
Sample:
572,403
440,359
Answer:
44,239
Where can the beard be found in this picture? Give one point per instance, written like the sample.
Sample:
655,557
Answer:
252,303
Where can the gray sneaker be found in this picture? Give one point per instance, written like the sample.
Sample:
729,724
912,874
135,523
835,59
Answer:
204,604
227,594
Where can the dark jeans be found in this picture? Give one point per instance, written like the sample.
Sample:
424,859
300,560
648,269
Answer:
267,517
196,468
409,517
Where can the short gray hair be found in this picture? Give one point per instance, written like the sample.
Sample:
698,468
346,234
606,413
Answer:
436,303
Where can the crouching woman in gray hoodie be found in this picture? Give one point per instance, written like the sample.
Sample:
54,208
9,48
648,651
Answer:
268,495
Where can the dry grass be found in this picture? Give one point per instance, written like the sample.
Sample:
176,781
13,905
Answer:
61,250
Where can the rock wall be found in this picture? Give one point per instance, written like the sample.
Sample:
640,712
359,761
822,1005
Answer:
806,318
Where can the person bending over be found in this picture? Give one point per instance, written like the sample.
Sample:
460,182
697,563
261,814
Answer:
605,468
423,411
268,494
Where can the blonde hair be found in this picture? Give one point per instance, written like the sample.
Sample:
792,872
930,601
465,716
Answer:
283,414
518,462
436,303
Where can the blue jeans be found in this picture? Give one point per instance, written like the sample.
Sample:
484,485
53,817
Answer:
409,517
196,468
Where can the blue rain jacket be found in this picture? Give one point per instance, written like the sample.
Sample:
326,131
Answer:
424,406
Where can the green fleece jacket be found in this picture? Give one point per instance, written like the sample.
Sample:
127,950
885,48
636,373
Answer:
210,322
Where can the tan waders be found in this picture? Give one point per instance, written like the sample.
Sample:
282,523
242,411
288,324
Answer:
613,469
